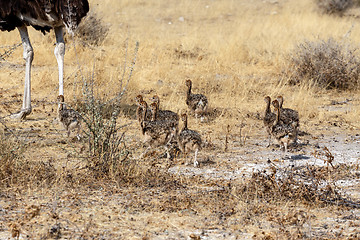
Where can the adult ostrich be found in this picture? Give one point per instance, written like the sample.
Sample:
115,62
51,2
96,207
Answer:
43,15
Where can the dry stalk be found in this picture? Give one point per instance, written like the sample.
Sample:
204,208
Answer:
324,155
242,138
7,53
227,137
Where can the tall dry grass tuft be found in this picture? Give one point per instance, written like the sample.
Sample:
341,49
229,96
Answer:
16,170
92,30
311,185
328,64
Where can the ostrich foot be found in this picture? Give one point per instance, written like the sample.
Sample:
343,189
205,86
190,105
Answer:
196,164
22,114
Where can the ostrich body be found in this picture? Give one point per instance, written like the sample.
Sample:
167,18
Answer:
269,118
189,140
157,133
165,115
68,117
197,103
289,116
154,109
43,15
281,131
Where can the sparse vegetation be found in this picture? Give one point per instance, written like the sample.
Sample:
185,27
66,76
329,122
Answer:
337,7
16,170
309,185
327,64
98,187
106,145
92,31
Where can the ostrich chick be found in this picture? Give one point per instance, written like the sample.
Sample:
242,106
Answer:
68,117
157,133
189,140
281,131
289,116
139,109
269,118
197,103
165,115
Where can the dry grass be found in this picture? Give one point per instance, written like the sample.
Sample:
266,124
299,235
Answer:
16,170
327,64
92,31
337,7
235,52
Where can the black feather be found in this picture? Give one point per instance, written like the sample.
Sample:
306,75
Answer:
67,13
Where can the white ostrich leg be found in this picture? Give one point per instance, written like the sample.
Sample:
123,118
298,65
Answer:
28,56
59,54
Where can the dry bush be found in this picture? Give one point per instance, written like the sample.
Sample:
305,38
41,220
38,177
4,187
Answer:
105,144
315,186
308,184
328,64
107,149
337,7
92,30
16,170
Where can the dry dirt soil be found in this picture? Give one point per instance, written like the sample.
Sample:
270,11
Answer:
195,205
235,53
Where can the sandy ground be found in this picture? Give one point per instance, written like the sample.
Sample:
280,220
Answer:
176,45
104,212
